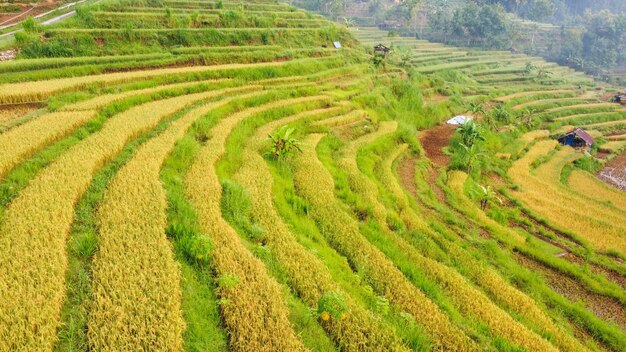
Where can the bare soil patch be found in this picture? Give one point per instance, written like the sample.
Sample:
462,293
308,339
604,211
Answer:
8,18
614,172
434,140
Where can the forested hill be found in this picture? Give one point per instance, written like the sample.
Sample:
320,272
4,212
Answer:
585,35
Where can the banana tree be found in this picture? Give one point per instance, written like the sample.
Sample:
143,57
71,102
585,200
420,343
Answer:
283,144
487,195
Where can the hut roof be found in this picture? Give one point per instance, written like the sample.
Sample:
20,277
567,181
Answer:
582,134
381,47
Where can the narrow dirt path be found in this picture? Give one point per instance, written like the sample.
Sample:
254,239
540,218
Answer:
406,173
433,141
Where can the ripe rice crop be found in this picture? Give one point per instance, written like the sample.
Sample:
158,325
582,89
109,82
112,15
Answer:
142,209
469,300
36,224
532,136
254,312
136,291
484,276
618,137
613,147
36,91
551,173
24,140
105,99
601,226
358,181
346,119
342,232
10,116
359,331
587,184
522,97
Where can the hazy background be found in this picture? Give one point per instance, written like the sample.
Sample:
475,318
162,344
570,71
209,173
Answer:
588,35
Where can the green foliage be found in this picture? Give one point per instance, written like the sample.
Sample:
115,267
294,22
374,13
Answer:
499,114
470,133
228,281
589,163
477,25
486,195
404,55
30,26
332,305
530,67
284,145
204,331
237,208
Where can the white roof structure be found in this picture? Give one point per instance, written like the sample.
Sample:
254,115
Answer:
459,120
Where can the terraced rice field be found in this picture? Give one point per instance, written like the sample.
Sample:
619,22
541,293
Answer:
142,207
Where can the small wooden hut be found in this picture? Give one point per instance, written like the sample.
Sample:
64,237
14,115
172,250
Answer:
620,99
381,50
577,138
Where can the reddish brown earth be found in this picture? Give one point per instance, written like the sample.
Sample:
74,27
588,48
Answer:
7,18
614,172
434,140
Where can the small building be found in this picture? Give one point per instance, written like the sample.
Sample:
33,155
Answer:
381,50
577,138
620,99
